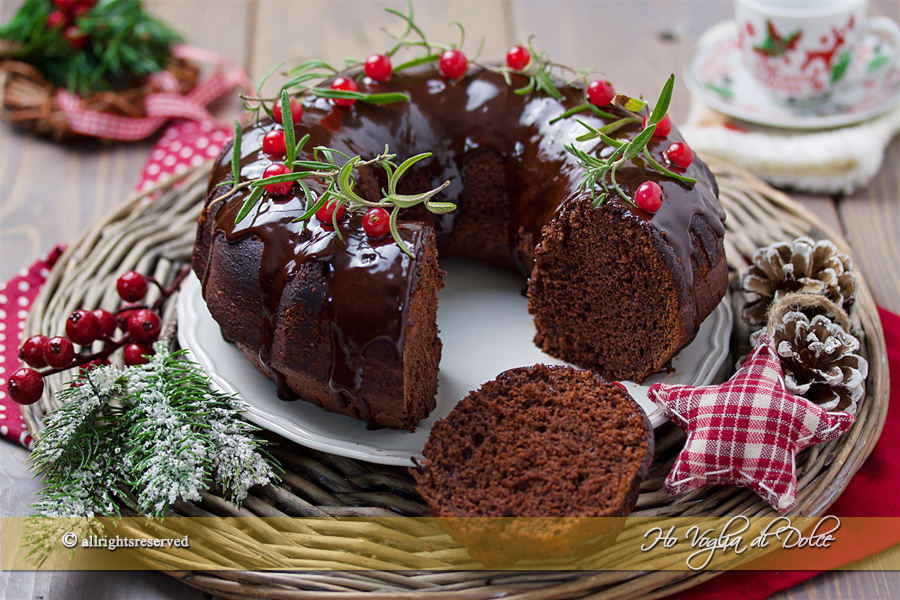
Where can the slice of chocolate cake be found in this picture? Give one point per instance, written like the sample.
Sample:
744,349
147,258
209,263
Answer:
537,441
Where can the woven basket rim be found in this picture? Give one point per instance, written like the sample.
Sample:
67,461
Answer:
752,207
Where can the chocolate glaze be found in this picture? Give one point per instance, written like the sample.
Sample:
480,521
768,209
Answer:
368,280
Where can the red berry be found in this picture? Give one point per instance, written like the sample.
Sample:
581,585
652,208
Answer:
76,38
82,327
122,317
87,3
65,5
600,93
649,196
107,322
453,64
132,286
376,222
136,354
346,84
296,111
58,352
279,189
57,18
81,10
680,155
32,351
326,213
663,128
25,386
274,144
518,58
144,325
378,67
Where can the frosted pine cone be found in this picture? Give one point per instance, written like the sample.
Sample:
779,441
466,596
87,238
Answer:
802,266
820,361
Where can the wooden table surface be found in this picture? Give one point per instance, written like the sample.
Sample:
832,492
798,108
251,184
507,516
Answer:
50,193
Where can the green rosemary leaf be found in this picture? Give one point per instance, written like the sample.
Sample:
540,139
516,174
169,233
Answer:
395,233
634,105
287,122
411,24
600,113
569,113
236,154
662,104
296,81
316,165
311,64
265,77
249,203
311,210
526,88
607,129
440,208
280,179
636,145
345,180
384,98
545,84
300,145
403,168
666,171
462,33
417,61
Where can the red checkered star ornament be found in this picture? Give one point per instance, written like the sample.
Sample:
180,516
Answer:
746,431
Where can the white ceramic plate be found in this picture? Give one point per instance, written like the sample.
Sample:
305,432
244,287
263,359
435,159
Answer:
716,74
485,329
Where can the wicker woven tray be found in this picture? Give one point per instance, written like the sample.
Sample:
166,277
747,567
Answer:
156,237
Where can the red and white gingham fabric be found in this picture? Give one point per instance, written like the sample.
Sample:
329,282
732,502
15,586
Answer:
746,431
168,103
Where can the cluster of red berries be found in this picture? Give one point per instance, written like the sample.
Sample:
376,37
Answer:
63,17
141,326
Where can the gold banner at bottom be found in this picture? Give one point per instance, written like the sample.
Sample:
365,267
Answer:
397,543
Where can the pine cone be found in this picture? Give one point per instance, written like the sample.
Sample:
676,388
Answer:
820,361
803,266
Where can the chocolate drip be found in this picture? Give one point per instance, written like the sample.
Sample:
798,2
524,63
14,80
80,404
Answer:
368,280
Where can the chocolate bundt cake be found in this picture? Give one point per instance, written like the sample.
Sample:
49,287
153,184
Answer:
536,442
349,324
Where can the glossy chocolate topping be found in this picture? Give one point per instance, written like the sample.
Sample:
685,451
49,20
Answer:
368,282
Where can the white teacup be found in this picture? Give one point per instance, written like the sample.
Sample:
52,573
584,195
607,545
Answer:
801,50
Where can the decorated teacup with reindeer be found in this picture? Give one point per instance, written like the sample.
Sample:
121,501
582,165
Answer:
801,50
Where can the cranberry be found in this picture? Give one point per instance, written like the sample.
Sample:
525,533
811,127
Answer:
663,128
82,327
132,286
58,352
453,64
87,3
274,144
25,386
296,111
32,351
600,93
518,58
680,155
279,189
81,10
122,317
65,5
345,84
136,354
326,213
57,18
649,196
107,322
378,67
376,222
76,38
144,325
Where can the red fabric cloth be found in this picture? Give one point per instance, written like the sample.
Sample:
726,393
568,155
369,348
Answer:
871,493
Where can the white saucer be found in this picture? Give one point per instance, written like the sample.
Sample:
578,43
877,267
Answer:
485,329
717,75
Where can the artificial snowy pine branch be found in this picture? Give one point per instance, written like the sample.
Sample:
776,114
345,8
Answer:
157,430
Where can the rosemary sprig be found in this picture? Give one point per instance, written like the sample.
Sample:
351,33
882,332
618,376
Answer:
124,44
602,171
